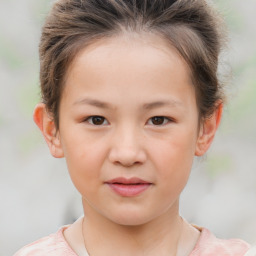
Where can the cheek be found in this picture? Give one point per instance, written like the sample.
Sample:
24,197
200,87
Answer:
84,159
173,157
81,147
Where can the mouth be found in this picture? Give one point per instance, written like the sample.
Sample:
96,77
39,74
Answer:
128,187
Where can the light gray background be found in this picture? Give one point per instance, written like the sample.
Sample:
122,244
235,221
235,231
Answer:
36,195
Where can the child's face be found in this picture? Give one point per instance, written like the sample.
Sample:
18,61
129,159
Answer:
128,110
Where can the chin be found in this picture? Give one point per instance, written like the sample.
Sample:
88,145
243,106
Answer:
131,219
131,222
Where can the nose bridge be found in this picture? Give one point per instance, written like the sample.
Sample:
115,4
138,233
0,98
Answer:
127,146
128,135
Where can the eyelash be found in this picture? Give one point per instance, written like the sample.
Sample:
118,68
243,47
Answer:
166,120
90,120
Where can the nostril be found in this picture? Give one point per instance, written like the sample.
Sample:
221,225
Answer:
127,154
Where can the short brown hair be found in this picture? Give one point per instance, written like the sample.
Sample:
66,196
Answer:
191,26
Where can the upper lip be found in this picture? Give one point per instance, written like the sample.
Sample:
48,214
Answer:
123,180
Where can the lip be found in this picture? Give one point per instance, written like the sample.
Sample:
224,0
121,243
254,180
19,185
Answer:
128,187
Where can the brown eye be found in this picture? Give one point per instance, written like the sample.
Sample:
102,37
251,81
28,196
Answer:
96,120
158,120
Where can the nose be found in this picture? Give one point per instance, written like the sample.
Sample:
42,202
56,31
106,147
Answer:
127,148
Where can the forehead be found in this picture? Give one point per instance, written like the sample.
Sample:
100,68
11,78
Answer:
131,64
145,51
130,77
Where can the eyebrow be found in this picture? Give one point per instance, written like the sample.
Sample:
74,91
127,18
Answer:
157,104
93,102
147,106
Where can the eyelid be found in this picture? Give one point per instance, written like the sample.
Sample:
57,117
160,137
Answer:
91,123
105,122
166,120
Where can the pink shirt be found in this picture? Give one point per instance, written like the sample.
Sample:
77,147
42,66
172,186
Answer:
207,245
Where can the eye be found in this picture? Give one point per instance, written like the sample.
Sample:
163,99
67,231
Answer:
159,120
97,120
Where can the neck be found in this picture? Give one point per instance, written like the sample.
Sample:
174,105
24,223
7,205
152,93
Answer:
157,237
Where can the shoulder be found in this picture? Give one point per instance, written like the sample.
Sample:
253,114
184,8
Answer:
209,245
52,245
251,252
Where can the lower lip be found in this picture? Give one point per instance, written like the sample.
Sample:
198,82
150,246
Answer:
129,190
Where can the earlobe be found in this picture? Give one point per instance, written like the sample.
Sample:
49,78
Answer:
208,130
47,126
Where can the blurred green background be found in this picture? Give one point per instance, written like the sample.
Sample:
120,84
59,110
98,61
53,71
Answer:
35,191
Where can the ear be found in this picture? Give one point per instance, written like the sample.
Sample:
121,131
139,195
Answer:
207,131
47,126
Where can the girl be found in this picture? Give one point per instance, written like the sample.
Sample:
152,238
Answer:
130,95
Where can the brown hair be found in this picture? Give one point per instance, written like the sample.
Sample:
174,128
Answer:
191,26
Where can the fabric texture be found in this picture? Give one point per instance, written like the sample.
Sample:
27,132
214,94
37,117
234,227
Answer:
207,245
251,252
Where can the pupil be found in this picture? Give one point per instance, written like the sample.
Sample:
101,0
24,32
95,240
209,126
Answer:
157,120
98,120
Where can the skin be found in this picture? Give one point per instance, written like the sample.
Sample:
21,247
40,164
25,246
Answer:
128,80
